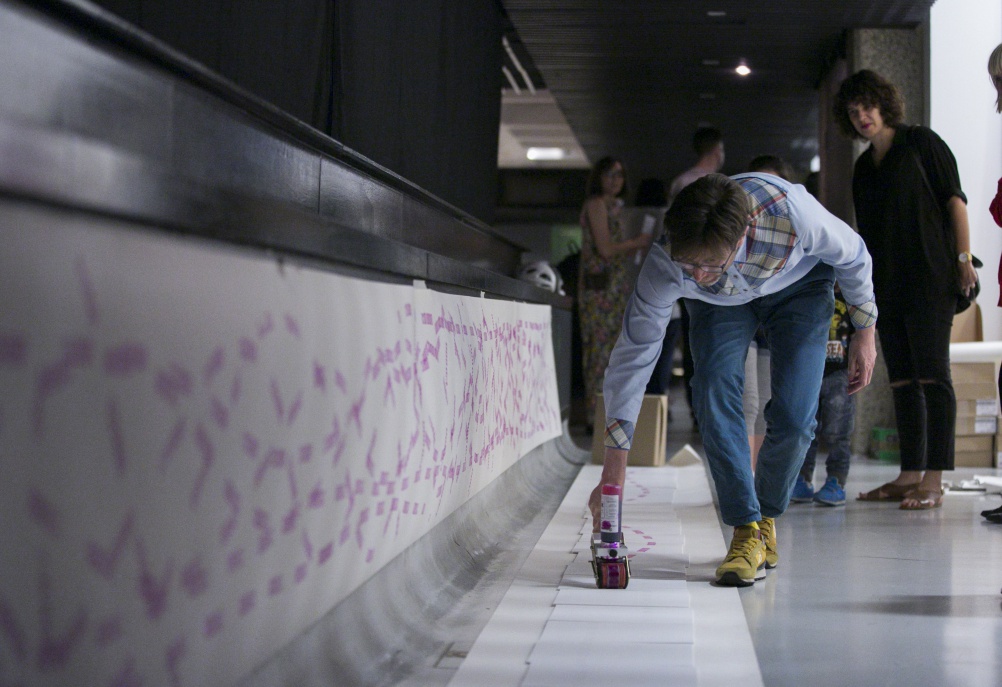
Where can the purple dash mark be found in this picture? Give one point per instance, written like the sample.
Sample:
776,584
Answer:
175,653
319,373
208,453
388,394
43,512
317,497
173,444
109,631
363,518
300,573
87,290
429,350
266,326
262,525
294,409
232,497
247,603
275,586
307,546
104,561
213,624
220,415
291,325
11,629
153,590
250,445
369,555
339,382
248,350
235,560
214,365
305,453
54,651
117,440
369,464
173,383
275,459
235,390
125,359
325,553
290,519
194,578
127,676
345,534
13,349
276,398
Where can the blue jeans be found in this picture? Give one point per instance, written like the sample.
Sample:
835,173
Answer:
796,321
836,414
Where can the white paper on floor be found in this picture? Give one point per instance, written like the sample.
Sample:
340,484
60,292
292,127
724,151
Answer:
597,662
640,592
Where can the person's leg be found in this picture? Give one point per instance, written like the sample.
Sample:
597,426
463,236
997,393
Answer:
750,400
719,337
909,401
807,469
796,321
839,416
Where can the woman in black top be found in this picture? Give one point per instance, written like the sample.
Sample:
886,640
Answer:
912,214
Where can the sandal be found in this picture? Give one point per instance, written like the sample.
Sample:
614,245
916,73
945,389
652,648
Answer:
926,500
887,492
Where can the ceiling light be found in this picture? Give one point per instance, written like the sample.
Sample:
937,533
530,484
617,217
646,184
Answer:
716,13
537,154
742,69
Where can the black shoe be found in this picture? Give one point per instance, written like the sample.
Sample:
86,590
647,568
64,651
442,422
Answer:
994,517
994,511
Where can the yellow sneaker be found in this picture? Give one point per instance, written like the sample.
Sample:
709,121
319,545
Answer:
745,560
768,529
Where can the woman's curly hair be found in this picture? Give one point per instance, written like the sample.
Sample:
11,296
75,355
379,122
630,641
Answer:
869,89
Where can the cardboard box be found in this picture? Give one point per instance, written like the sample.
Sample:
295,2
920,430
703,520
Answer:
974,381
979,407
650,437
975,451
976,424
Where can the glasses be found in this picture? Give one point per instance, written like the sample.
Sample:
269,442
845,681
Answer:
689,268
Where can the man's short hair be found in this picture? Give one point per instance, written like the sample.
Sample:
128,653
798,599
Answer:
711,213
868,89
773,164
706,139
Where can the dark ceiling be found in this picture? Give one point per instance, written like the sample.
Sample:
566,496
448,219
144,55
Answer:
635,78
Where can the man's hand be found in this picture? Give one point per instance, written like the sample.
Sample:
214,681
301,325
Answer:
613,472
862,354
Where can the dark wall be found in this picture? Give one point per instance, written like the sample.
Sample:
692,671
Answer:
414,86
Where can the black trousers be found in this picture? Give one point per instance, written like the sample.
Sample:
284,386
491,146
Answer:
916,346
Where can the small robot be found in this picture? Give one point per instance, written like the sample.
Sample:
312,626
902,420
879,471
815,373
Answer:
609,556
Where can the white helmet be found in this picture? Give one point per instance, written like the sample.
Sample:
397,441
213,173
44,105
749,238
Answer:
542,275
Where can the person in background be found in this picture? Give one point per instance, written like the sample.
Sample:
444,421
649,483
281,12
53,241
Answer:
835,418
912,214
603,281
995,72
749,251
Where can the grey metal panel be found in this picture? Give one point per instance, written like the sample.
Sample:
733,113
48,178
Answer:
356,200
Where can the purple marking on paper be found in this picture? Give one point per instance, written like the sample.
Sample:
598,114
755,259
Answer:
173,443
153,590
43,513
275,586
262,525
319,374
294,408
208,454
389,392
248,349
317,497
369,464
339,382
345,535
220,414
105,561
305,453
276,398
127,676
13,349
380,508
125,359
250,445
232,498
117,440
213,624
109,631
275,458
325,553
370,554
247,602
266,326
292,326
173,383
194,578
235,560
363,518
175,653
214,365
12,630
300,573
87,291
290,519
356,412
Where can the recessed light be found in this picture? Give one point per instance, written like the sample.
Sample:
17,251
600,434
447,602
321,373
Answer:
711,63
546,153
716,13
742,70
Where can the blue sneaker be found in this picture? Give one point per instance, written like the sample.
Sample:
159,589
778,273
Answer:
831,494
803,491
